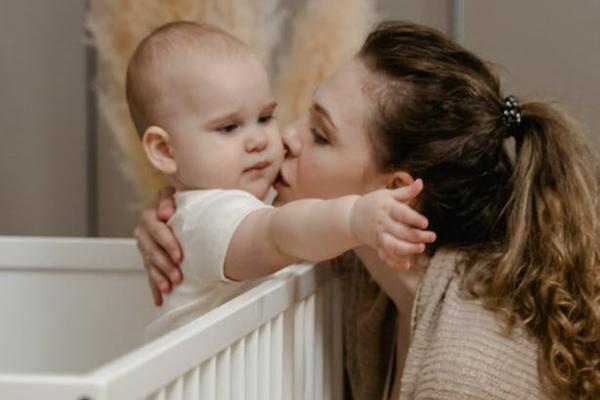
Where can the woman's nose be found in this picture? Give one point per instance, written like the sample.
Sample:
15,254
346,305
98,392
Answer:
291,141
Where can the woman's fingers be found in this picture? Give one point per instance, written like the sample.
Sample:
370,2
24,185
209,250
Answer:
156,293
157,279
165,203
160,233
153,254
158,245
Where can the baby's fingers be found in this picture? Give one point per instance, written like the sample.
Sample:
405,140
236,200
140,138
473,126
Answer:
399,248
403,232
407,193
404,214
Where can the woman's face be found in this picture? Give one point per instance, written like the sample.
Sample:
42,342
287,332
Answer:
329,150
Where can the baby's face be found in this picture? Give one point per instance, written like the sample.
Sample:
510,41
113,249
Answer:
221,123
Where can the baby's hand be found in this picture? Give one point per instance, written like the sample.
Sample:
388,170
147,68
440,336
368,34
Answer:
383,220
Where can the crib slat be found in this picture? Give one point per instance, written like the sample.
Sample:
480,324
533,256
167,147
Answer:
158,395
288,356
224,374
299,351
252,366
276,388
337,389
327,341
309,345
191,384
264,361
320,337
174,390
238,370
208,375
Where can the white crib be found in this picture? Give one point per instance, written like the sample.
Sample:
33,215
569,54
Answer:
73,312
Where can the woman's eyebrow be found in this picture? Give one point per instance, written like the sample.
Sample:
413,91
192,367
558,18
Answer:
322,111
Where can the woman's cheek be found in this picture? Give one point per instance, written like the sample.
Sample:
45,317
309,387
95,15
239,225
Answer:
302,172
312,176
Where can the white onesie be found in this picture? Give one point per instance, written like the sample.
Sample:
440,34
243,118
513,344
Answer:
204,223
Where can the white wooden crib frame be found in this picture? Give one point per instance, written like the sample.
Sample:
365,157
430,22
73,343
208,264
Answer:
279,340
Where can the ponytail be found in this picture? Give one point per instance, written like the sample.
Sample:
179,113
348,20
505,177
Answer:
550,266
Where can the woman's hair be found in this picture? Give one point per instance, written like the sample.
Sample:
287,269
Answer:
529,226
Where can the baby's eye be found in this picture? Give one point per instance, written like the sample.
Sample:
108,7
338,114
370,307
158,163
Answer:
263,119
318,137
227,128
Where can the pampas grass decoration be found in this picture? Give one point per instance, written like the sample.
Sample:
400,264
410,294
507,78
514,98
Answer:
325,34
258,23
116,29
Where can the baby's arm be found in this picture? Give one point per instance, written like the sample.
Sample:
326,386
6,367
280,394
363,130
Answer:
315,230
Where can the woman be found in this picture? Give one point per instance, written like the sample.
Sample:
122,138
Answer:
508,303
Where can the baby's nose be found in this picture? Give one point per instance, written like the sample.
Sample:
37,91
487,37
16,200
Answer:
257,141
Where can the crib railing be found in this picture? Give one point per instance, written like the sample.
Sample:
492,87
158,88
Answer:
279,340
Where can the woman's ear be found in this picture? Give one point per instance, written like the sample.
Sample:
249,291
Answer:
399,179
157,145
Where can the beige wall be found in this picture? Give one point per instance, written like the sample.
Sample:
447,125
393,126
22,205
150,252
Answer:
547,48
436,13
43,159
118,203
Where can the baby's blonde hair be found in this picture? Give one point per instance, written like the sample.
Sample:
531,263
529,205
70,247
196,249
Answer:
144,85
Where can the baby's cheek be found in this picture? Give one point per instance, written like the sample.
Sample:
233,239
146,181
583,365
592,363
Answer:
277,144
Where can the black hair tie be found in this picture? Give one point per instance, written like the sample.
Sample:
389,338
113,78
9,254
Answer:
511,114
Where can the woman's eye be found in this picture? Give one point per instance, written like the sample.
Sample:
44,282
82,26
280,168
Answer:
318,137
263,119
227,128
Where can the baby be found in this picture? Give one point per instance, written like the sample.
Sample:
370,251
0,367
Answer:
202,104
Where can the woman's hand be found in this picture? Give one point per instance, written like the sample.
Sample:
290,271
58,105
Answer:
158,245
384,221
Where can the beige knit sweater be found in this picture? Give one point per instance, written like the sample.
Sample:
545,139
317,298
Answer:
457,350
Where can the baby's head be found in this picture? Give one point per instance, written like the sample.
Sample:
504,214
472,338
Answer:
202,105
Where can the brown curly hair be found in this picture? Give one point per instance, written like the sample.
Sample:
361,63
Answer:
529,226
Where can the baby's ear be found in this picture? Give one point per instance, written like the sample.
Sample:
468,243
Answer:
157,145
